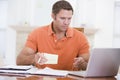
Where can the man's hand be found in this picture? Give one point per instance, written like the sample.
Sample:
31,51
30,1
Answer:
40,58
79,63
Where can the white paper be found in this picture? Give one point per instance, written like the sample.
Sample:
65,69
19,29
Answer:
13,72
49,72
15,67
52,58
35,71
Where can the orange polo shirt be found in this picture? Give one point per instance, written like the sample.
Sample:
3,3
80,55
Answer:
43,39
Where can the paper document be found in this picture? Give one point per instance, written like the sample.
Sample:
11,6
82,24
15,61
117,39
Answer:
13,72
52,58
49,72
15,67
34,71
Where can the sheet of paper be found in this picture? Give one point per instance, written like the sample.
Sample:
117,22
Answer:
49,72
15,67
52,58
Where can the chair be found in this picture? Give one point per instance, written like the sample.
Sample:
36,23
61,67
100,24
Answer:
79,29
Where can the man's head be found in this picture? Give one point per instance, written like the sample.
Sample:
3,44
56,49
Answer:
62,4
62,13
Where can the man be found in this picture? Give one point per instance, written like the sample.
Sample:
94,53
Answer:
58,38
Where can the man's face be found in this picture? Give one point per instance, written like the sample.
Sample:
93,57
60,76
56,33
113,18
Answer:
62,20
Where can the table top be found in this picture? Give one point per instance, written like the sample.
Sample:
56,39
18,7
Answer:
35,77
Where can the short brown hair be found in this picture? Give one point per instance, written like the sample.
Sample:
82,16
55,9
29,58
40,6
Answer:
62,4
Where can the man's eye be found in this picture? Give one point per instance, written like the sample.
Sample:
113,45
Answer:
69,18
63,18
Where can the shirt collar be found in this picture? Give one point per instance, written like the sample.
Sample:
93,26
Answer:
69,32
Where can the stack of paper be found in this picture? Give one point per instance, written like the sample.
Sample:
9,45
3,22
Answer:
48,71
13,69
30,70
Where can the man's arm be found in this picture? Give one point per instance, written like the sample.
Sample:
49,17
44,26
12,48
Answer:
81,61
26,57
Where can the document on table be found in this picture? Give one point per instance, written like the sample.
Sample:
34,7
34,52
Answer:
16,67
32,71
48,72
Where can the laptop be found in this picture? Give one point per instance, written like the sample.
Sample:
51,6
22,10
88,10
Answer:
103,62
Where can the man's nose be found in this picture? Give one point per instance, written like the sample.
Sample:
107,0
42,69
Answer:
66,21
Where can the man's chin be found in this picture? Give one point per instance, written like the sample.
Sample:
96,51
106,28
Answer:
64,30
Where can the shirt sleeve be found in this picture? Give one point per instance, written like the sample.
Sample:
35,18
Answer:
31,41
84,45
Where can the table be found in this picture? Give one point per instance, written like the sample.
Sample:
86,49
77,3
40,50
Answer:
35,77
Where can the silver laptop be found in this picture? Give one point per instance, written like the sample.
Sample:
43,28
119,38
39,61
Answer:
103,62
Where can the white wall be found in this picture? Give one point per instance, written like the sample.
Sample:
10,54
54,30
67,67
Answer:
20,11
32,12
104,21
116,39
84,13
10,56
3,25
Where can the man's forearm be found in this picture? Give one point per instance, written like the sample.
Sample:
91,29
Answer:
25,59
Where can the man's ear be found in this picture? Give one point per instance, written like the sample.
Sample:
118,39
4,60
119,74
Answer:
53,16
